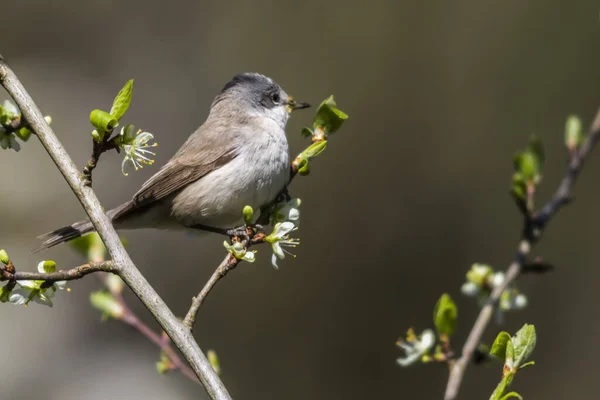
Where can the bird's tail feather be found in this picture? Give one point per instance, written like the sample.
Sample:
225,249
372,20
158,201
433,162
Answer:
78,229
64,234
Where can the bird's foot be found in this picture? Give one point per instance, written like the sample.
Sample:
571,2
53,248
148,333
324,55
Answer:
244,232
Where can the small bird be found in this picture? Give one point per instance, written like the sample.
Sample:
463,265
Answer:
238,157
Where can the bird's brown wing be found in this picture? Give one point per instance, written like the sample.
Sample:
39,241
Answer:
207,149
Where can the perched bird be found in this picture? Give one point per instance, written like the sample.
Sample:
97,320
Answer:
238,157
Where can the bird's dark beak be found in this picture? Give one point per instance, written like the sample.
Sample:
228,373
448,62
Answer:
300,106
293,105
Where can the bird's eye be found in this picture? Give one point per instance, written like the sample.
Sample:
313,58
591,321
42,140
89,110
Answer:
275,97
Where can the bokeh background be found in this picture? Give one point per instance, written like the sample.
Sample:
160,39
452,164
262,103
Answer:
409,194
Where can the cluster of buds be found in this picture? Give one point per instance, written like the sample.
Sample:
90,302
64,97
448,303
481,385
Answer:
482,280
134,143
12,127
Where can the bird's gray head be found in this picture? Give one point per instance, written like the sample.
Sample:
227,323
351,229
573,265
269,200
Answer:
256,94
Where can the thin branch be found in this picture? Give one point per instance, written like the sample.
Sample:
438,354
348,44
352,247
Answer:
97,150
124,266
69,275
532,232
228,263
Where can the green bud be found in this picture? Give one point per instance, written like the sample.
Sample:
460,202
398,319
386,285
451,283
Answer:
4,257
444,315
48,119
49,266
248,215
122,101
214,361
162,367
23,133
103,121
107,303
573,132
97,136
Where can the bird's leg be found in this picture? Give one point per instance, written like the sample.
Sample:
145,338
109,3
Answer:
244,232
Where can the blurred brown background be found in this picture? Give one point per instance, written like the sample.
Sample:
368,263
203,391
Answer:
409,194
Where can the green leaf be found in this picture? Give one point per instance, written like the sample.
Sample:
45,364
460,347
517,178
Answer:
528,165
512,395
314,150
307,132
499,347
122,101
328,117
524,343
103,121
303,170
509,356
444,315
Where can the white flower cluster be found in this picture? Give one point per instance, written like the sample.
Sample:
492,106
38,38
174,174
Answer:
286,218
28,291
416,348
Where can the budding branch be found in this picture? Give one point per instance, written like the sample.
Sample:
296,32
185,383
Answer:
534,226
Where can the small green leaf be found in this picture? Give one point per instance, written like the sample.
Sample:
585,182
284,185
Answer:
529,166
524,343
307,132
303,170
122,101
328,117
499,347
509,356
444,315
512,395
103,121
314,150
